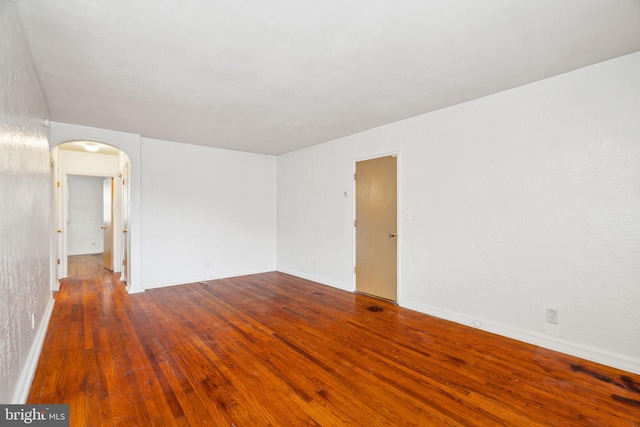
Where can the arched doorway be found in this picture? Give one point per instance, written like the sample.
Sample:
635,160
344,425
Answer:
81,158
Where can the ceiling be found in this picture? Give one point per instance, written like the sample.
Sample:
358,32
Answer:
276,76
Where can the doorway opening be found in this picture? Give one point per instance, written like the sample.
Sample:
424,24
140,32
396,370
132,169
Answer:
92,206
376,224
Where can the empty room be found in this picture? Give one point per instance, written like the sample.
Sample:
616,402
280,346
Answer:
320,213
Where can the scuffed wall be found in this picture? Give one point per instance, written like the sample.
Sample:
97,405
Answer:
24,205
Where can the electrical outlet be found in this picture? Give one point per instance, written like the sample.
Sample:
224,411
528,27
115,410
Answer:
552,316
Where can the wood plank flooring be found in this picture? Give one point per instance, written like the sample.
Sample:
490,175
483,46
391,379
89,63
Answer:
272,349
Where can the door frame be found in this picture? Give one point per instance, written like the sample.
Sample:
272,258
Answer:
109,216
63,208
130,146
395,153
56,237
123,199
60,202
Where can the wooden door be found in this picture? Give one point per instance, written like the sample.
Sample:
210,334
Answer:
376,227
107,223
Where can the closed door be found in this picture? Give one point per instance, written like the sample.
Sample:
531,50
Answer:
107,226
376,227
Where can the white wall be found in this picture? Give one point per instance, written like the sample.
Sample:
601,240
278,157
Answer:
86,215
525,200
207,213
25,210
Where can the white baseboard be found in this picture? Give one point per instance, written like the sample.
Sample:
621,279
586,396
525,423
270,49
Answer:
323,281
131,290
195,279
21,392
598,355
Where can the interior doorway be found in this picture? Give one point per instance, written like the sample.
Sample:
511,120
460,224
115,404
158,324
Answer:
376,222
111,167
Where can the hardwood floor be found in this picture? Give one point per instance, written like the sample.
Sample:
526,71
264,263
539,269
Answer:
272,349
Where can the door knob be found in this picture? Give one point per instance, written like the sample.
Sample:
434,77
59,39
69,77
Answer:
393,234
125,231
104,227
59,231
